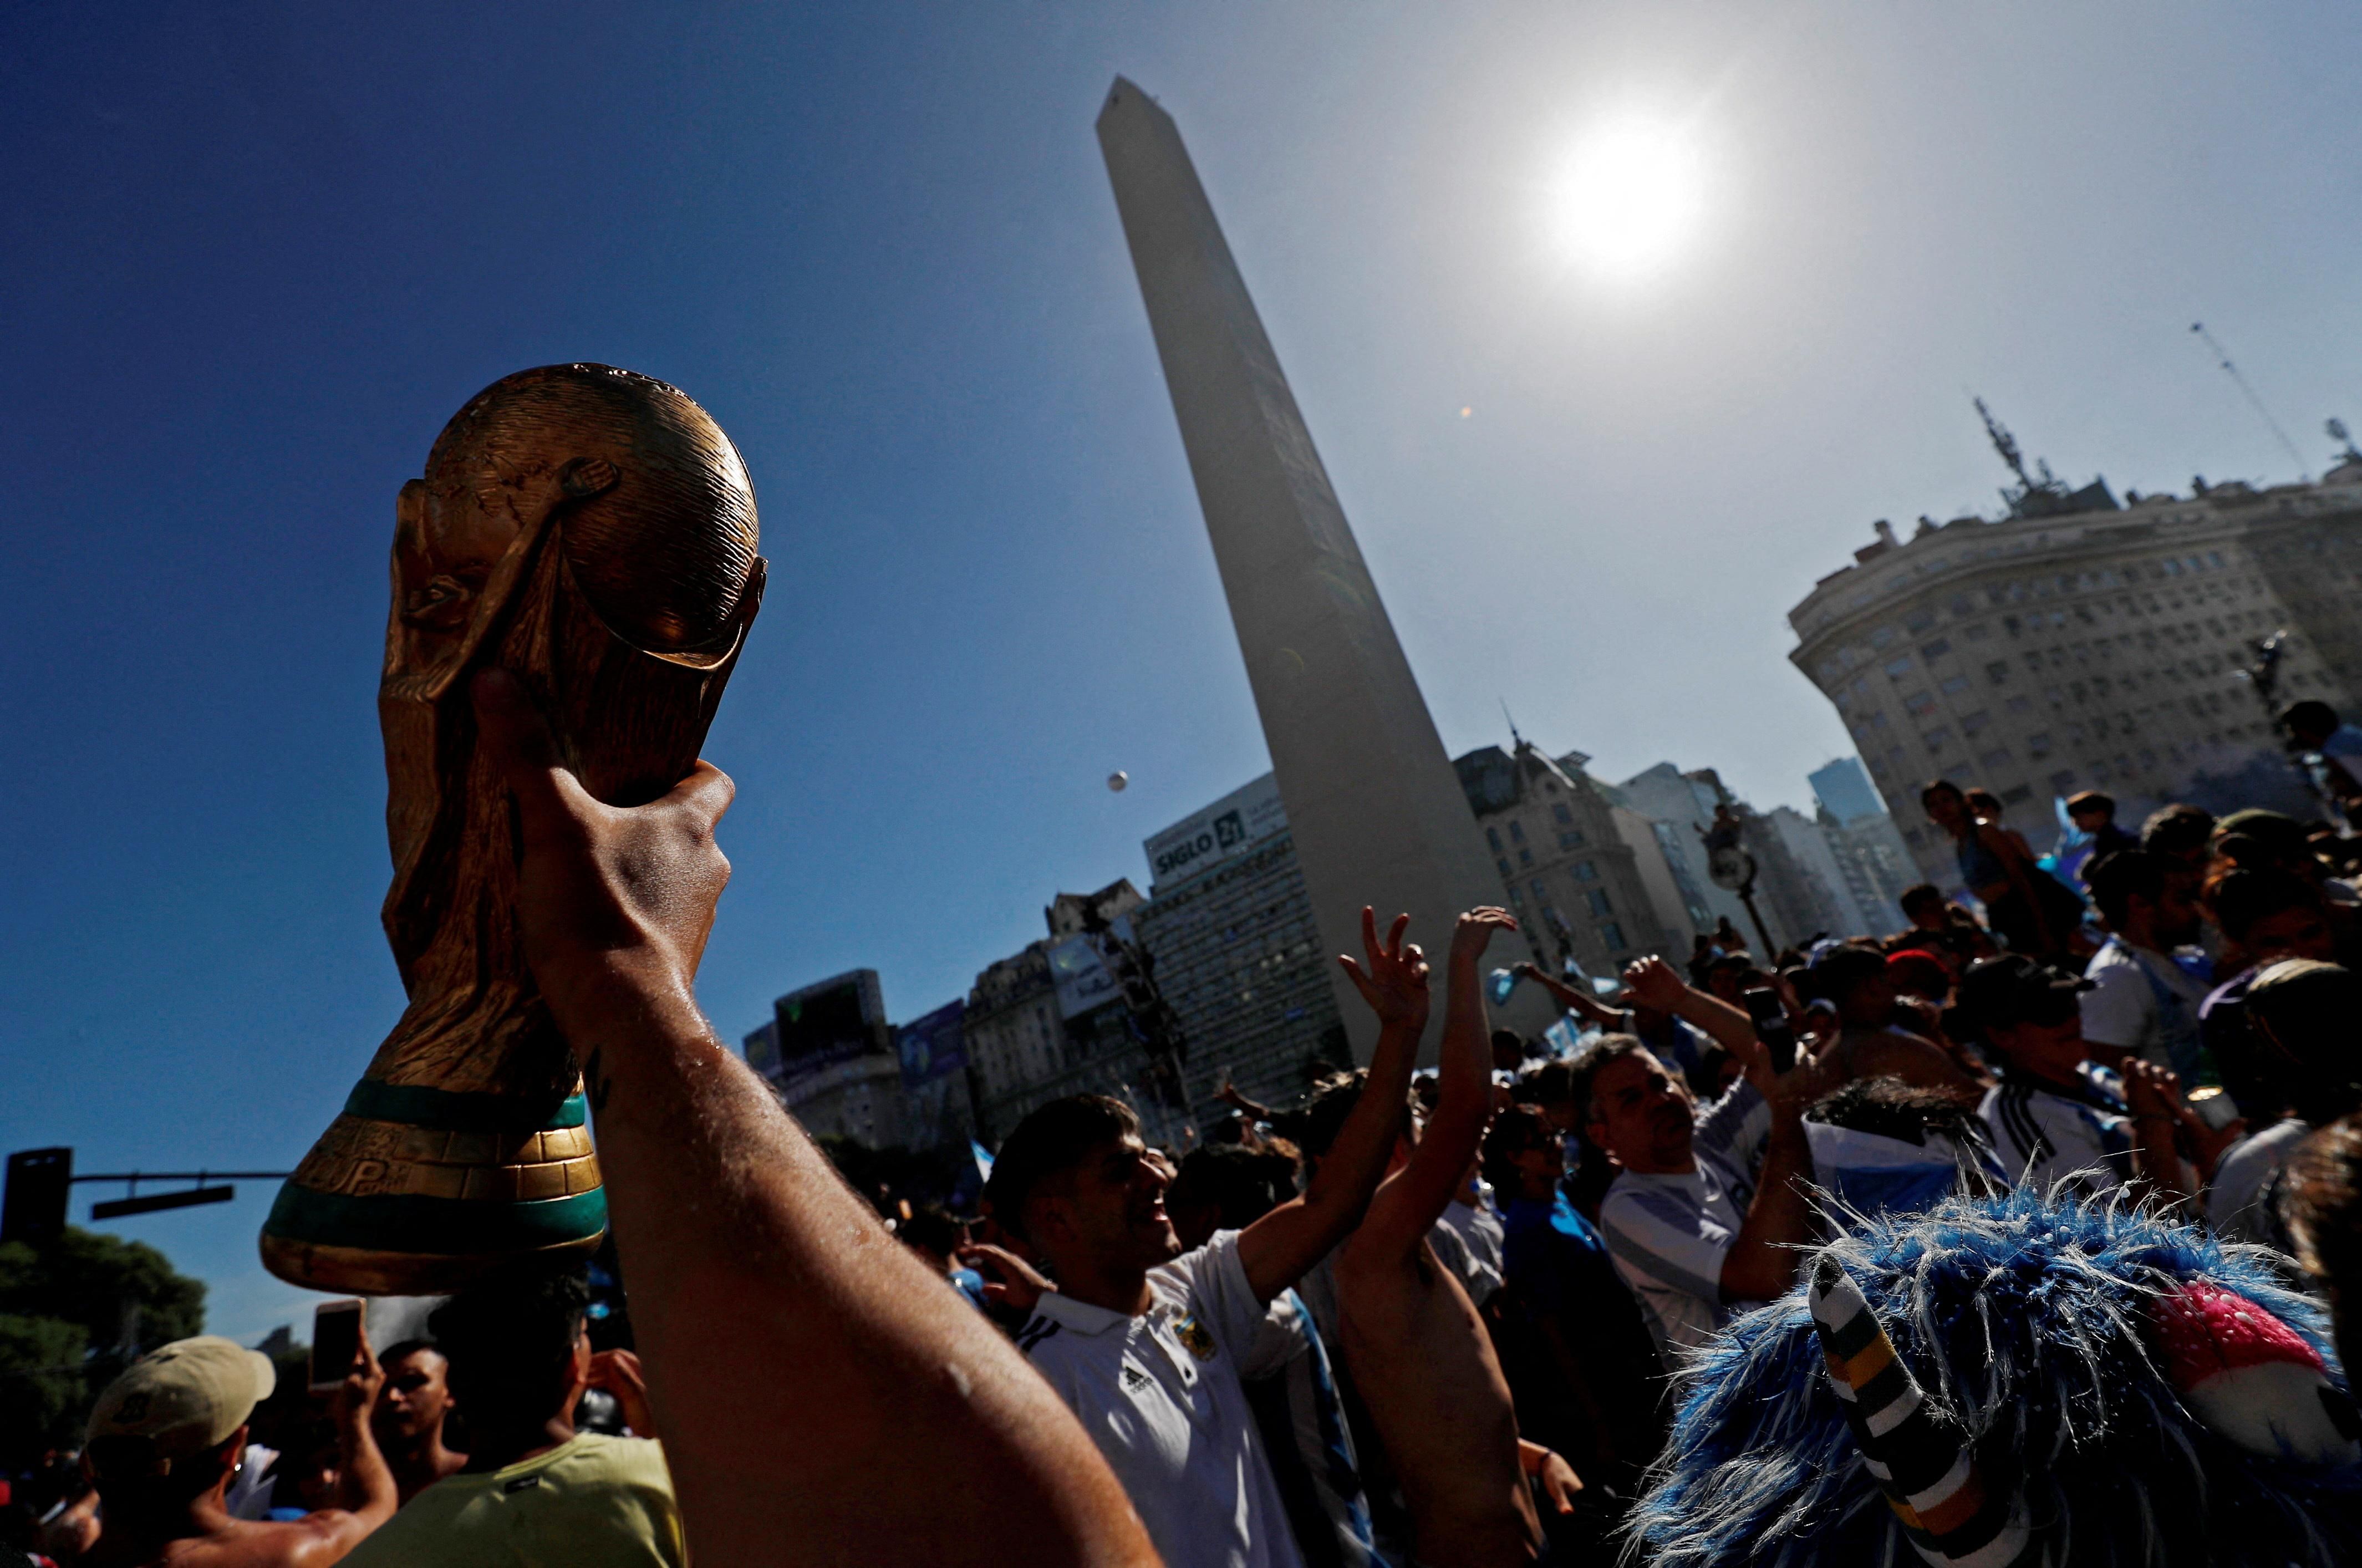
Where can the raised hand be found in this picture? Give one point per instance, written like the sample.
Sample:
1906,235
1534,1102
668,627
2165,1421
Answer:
605,893
1009,1280
1395,983
618,1372
1655,985
1475,930
1551,1473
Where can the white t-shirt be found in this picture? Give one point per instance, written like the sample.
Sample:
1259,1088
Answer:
2146,1003
1160,1394
1669,1234
1480,1232
2239,1205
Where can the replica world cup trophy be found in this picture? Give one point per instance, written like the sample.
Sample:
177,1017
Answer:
592,531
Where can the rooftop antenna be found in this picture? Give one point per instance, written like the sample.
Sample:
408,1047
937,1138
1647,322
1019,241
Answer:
2223,357
2004,443
1516,739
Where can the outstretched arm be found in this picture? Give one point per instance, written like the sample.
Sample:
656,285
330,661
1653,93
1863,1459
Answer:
1589,1009
1277,1250
1656,984
1413,1199
752,1265
1761,1263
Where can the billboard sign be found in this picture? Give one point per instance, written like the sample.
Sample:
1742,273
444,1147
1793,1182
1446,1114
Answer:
1244,817
1084,981
835,1021
932,1045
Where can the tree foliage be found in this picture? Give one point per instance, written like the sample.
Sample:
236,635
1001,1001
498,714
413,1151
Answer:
73,1313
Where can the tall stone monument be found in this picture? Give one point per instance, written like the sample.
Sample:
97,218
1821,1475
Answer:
1378,815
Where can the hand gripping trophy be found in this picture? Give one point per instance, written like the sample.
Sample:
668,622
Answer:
593,531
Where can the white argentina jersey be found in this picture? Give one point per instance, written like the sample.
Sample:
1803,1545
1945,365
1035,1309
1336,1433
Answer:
1160,1396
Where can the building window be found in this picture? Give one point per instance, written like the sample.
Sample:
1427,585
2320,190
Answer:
1900,668
1938,738
1997,672
1493,838
2038,744
1539,895
1525,857
1917,702
1584,871
1977,633
1936,649
1955,685
1505,872
1563,814
2020,704
1613,934
1570,841
1516,832
2062,780
1997,757
1971,723
1597,899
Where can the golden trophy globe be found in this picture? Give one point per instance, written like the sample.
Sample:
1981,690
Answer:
593,531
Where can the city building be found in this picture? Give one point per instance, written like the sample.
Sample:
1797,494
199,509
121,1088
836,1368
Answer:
2073,643
1870,853
1077,1012
1572,877
1237,954
1824,895
1843,788
828,1053
1679,808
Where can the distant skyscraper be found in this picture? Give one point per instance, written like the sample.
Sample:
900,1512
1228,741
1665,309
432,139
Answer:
1374,809
1843,787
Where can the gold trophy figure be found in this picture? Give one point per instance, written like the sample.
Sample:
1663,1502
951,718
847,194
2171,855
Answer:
593,531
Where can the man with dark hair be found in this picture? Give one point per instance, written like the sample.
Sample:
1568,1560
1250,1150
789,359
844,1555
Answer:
2306,1019
2182,832
409,1422
2263,916
2314,726
1697,1232
165,1439
533,1487
1149,1344
2058,1115
2093,813
1859,984
2146,992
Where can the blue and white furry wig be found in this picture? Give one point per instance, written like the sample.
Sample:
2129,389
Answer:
2025,1319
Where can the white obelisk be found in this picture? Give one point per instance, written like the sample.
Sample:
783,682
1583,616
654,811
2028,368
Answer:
1378,815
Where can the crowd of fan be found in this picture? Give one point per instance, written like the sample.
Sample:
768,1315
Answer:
1432,1317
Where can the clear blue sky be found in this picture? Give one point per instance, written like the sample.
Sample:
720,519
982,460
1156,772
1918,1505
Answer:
252,257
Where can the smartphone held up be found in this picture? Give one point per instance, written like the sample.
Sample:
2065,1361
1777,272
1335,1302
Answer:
336,1342
1771,1027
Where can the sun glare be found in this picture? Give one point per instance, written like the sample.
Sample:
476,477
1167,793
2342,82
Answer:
1630,196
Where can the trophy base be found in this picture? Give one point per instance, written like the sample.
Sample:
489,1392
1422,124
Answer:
417,1192
359,1270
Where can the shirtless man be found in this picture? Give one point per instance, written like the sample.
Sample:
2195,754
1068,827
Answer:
165,1440
1419,1352
409,1423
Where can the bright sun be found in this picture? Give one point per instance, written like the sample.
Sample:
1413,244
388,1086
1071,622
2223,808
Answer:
1630,196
